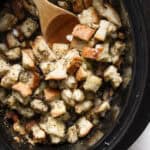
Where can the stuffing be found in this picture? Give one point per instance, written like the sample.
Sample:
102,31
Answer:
101,33
4,67
55,139
41,50
12,76
38,134
72,134
111,74
92,83
77,43
66,95
84,126
59,73
92,53
19,128
51,94
88,17
28,27
60,49
24,89
103,107
78,95
30,7
83,32
7,21
11,40
19,98
28,59
117,50
53,127
58,108
78,6
70,82
83,107
105,10
13,54
39,106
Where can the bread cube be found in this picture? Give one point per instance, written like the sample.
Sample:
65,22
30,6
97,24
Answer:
41,50
4,67
12,41
39,106
53,127
81,74
58,108
111,74
28,27
92,83
38,134
102,32
83,32
12,76
72,134
46,66
17,127
105,106
7,21
51,94
13,54
88,17
27,59
78,44
78,95
84,126
55,139
60,49
83,107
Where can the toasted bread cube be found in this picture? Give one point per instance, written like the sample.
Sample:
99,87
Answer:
72,134
38,134
77,43
84,126
24,89
53,127
28,27
78,95
66,95
105,106
46,66
58,108
91,53
55,139
92,83
70,82
81,74
17,127
41,50
78,6
83,32
74,65
60,49
51,94
4,67
12,76
12,41
111,74
101,33
88,17
27,59
7,21
13,54
83,107
39,106
107,11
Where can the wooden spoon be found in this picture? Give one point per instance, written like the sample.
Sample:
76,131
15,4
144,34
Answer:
55,22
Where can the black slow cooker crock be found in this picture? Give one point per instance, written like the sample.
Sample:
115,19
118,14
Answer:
120,134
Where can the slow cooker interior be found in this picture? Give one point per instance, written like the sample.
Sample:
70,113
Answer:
121,98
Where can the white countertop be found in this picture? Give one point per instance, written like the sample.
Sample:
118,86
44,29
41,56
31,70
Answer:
143,142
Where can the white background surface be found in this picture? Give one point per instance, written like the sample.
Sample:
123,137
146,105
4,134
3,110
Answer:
143,142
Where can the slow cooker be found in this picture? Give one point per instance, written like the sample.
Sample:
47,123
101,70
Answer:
134,115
